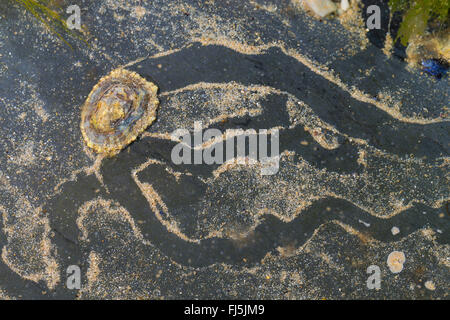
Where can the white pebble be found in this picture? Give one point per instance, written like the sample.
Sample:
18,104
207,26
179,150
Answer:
345,5
321,7
430,285
395,261
395,231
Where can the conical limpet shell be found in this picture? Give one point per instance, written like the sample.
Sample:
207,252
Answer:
119,108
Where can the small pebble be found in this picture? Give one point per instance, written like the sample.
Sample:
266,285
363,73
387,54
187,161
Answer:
395,231
430,285
321,7
345,5
395,261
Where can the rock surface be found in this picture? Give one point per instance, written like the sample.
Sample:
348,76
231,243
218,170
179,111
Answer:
363,148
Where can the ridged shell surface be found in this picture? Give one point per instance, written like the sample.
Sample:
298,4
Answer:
118,109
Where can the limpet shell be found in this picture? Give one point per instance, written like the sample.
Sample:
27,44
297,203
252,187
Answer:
118,109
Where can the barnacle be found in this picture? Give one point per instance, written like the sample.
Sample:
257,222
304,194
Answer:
119,108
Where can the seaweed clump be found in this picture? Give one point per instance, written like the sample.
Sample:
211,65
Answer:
418,15
46,12
425,32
